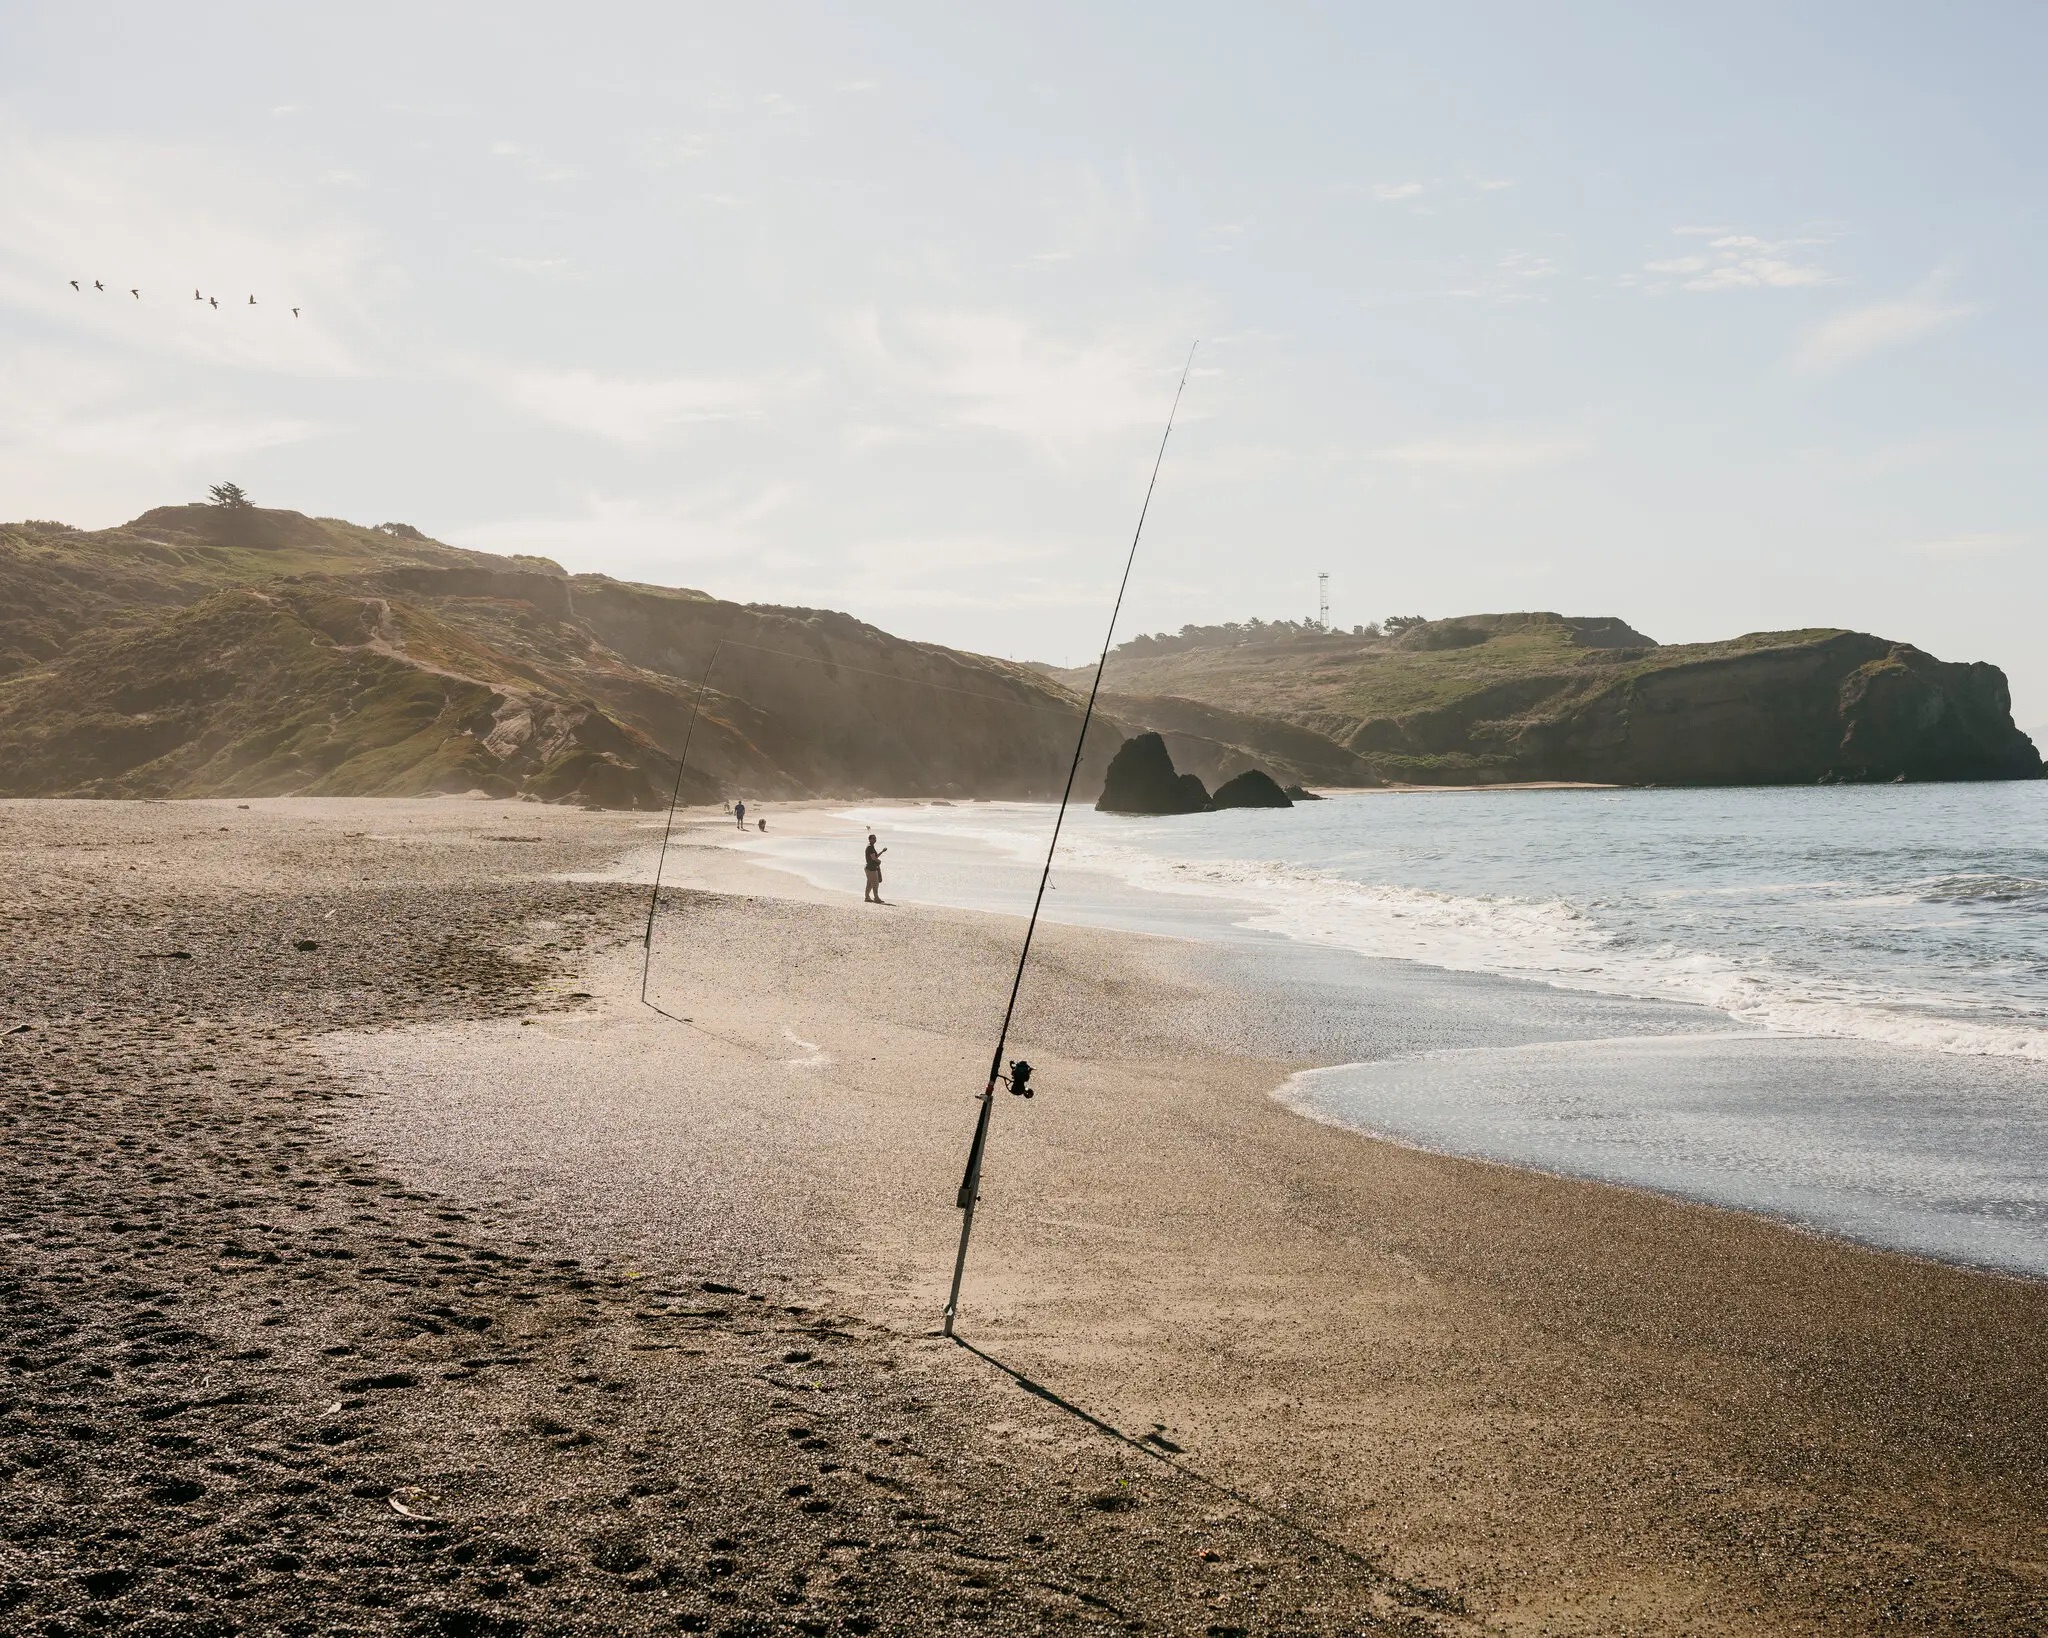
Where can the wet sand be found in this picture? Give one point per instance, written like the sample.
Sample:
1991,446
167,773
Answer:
679,1270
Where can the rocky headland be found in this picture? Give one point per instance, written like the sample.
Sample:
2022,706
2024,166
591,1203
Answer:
1503,698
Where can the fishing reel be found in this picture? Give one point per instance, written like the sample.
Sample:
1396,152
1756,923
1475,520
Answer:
1019,1079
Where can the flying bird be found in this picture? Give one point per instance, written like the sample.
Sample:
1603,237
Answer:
213,301
74,284
252,301
98,286
197,297
137,294
295,312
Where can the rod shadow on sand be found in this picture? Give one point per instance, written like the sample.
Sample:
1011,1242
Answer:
1409,1593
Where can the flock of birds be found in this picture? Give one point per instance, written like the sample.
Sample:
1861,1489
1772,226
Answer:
211,301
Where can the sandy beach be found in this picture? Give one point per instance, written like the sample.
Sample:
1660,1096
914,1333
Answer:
421,1279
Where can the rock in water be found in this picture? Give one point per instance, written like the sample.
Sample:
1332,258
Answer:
1142,780
1253,788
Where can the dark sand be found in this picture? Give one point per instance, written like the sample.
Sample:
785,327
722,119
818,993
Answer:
256,1382
1385,1390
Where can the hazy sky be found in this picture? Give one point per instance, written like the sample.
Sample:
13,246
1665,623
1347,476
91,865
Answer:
1716,318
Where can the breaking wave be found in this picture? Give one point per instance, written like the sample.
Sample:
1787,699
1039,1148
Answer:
1794,928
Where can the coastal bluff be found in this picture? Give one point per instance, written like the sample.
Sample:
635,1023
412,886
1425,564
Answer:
198,651
1504,698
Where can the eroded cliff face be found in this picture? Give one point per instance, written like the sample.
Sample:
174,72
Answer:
1844,708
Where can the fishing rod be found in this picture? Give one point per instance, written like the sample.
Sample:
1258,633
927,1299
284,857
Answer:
1019,1078
675,796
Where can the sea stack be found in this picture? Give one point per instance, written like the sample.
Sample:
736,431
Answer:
1254,788
1142,779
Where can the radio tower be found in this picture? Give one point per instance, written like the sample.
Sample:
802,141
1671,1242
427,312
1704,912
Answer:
1323,598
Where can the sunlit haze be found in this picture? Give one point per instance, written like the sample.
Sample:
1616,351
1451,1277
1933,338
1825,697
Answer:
1712,318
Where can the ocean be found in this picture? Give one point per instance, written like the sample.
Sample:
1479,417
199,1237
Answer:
1860,976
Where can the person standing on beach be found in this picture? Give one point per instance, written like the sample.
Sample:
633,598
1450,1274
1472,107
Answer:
739,813
874,862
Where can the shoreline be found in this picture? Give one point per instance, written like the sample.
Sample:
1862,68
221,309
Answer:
1653,1128
1283,1095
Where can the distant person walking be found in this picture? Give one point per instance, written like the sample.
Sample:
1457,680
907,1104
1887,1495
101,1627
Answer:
739,814
874,864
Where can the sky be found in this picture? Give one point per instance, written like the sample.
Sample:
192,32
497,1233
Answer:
1718,319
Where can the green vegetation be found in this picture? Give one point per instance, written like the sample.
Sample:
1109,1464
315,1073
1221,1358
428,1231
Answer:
1506,697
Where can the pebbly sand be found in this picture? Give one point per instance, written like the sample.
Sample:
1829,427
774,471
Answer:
423,1281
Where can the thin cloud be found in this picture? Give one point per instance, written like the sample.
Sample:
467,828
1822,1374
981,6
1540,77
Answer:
98,414
627,411
1000,371
664,542
1389,192
537,167
1849,338
1527,264
1742,261
1087,215
916,573
160,438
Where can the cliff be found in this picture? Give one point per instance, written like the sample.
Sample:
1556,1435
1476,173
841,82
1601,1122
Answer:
1489,698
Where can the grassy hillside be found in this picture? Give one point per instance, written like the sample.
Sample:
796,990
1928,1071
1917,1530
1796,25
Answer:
200,652
1540,696
57,583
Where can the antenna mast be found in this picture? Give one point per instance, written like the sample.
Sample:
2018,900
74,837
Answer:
1323,597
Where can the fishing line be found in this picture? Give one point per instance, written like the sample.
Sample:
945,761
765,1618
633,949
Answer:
970,1182
675,796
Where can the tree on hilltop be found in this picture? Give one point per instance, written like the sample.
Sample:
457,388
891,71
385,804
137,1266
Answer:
229,497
